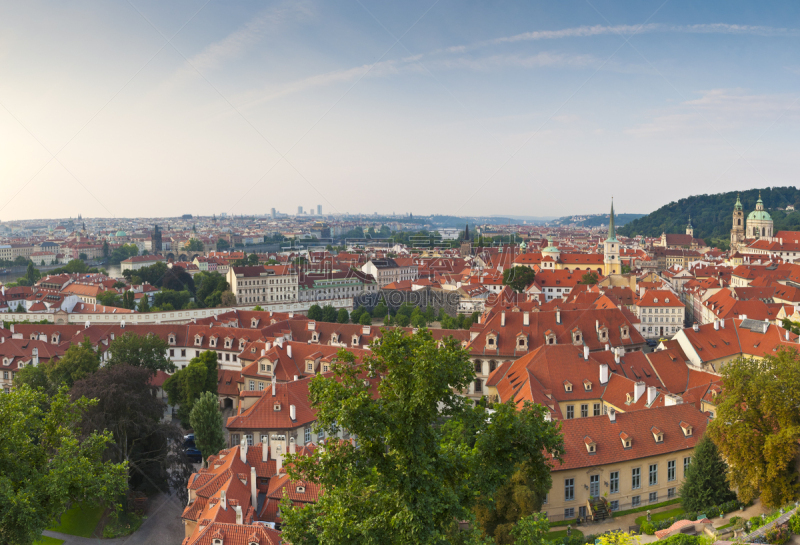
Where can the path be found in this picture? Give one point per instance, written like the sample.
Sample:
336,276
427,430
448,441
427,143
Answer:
163,526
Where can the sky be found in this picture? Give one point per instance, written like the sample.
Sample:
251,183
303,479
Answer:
150,108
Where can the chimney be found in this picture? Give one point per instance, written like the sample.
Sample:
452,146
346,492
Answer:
223,500
253,489
239,517
293,412
35,354
273,385
296,378
292,445
263,352
526,318
616,357
716,325
264,451
651,394
612,415
766,326
503,318
243,451
585,352
289,350
603,373
638,391
787,336
696,327
279,342
722,324
607,348
558,315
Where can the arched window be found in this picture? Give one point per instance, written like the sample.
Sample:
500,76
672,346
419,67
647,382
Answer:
492,365
478,366
739,221
478,385
763,231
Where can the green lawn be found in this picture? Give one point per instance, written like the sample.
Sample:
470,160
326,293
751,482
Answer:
80,521
660,516
562,533
44,540
646,507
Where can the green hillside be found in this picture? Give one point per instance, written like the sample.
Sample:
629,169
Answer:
712,214
596,220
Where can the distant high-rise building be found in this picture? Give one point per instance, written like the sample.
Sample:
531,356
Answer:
319,209
299,210
272,213
155,240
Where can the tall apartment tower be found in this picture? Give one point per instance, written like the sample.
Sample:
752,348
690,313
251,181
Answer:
319,209
272,213
299,210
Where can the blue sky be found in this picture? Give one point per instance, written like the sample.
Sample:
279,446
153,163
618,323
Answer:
145,109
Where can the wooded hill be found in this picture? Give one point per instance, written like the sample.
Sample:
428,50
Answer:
712,214
595,220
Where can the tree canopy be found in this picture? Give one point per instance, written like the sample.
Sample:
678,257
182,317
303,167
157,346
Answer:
148,351
206,421
186,385
45,464
411,477
518,278
757,427
704,484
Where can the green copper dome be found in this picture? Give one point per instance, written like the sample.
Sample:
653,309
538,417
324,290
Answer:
738,205
122,234
759,215
550,248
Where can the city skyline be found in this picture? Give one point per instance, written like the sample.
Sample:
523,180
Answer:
133,109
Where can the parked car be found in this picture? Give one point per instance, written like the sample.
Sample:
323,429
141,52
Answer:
193,453
651,342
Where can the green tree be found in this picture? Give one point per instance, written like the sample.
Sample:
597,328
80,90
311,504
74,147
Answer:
129,409
178,299
355,316
315,313
82,256
109,298
402,320
418,320
252,259
258,308
228,299
77,362
222,245
704,484
206,420
106,250
35,376
531,530
329,314
365,319
343,317
194,245
757,427
589,278
144,304
128,300
518,278
380,310
186,385
410,479
147,351
46,465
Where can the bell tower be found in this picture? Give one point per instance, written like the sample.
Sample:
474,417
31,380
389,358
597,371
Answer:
737,231
611,248
689,228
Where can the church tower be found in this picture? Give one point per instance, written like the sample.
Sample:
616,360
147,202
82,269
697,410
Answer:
611,248
466,243
737,231
689,228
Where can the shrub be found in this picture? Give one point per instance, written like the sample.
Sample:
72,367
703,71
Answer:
729,506
647,528
756,522
681,539
712,512
778,535
690,515
794,523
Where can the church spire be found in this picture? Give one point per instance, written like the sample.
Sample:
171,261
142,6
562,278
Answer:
612,234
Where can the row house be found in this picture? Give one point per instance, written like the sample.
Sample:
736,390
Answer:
660,312
264,284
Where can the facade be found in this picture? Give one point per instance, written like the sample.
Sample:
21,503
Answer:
386,271
327,285
661,313
139,261
264,284
759,225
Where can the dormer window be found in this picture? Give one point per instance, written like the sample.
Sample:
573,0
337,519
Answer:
263,367
549,337
254,323
198,340
522,341
6,361
587,385
228,342
626,440
276,407
657,434
624,332
355,340
687,429
577,337
315,337
212,342
325,368
217,541
172,339
591,446
567,386
628,397
310,366
300,489
603,334
241,344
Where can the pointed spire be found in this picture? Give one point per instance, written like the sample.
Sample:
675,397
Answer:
612,234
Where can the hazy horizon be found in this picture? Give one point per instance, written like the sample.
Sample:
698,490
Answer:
145,109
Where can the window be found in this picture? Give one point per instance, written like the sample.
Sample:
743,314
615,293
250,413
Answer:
478,385
615,505
252,385
310,366
234,439
686,462
671,470
479,366
613,482
308,435
249,439
670,493
320,435
635,501
569,513
171,352
653,474
584,410
260,385
569,489
570,412
653,497
635,478
596,409
263,367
